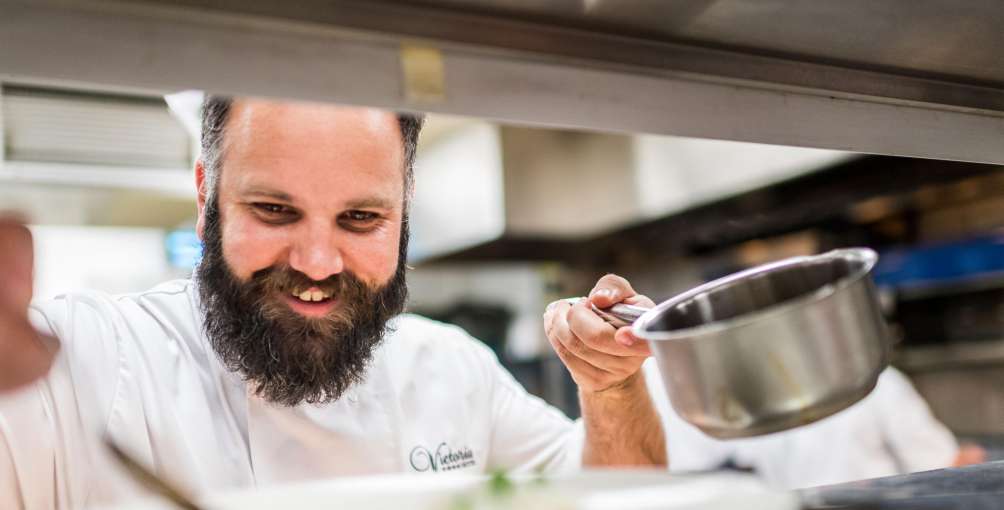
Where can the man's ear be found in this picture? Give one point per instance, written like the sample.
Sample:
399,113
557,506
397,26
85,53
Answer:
200,186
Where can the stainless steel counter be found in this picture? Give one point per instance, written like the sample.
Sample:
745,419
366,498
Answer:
979,487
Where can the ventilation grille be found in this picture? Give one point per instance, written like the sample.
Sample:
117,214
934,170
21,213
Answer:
42,125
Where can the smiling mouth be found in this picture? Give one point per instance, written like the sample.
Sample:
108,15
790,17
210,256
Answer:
311,295
312,302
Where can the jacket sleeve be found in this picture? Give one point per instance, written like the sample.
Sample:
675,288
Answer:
529,435
918,441
48,430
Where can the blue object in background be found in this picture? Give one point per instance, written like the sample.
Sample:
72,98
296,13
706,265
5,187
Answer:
184,249
941,263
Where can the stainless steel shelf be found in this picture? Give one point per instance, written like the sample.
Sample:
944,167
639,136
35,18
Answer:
921,79
916,359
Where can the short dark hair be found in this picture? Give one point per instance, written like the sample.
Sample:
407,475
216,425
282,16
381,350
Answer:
216,111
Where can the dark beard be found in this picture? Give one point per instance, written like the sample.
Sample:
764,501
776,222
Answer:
290,358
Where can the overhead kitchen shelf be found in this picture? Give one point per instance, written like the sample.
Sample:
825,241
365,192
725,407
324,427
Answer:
941,357
922,79
822,198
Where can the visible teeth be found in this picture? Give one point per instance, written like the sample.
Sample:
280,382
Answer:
311,295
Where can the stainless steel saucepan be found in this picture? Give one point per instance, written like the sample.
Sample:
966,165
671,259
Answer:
770,348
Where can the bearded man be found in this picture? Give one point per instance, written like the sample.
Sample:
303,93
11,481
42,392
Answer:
287,355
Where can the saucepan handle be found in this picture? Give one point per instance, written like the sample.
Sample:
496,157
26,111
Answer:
620,315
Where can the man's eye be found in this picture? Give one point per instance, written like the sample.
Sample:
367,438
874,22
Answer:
360,215
359,221
274,213
271,208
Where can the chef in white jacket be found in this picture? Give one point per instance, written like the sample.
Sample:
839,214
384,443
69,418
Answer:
286,356
891,431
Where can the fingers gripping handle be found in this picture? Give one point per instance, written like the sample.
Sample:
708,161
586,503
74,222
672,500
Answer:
618,315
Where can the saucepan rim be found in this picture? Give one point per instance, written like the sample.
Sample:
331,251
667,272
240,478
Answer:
867,256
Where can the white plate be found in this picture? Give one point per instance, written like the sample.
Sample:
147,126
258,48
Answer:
590,490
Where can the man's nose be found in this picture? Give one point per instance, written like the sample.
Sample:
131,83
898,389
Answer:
316,253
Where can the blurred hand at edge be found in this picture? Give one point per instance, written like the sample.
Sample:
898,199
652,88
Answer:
24,357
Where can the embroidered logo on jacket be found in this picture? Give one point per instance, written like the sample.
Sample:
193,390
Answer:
443,458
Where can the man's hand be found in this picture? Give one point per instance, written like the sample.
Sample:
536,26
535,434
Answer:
622,427
23,356
599,357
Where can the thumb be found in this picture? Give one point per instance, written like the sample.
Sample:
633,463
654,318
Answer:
604,297
610,290
16,264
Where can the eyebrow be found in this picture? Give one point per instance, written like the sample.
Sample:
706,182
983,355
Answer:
370,202
267,192
373,202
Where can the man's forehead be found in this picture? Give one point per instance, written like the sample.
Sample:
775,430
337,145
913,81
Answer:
302,148
313,135
253,116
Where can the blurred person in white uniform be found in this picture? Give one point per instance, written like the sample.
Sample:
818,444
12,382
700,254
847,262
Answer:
891,431
286,356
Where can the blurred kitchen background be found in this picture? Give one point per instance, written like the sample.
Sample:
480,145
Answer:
507,219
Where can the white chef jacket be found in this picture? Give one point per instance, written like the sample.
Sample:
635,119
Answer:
891,431
139,369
